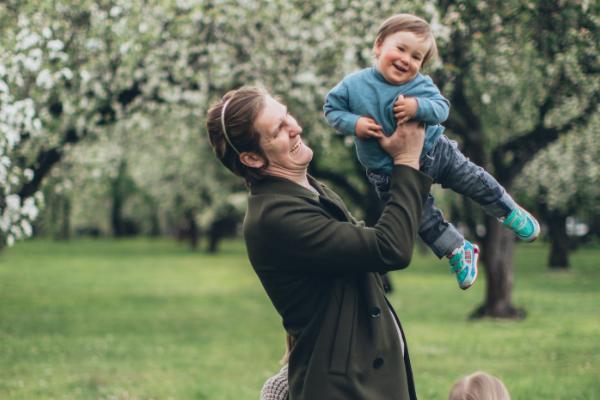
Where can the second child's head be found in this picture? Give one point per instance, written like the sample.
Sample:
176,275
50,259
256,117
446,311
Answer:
403,45
479,386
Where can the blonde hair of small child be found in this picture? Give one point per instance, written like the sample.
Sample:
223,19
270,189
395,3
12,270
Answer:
289,344
408,23
479,386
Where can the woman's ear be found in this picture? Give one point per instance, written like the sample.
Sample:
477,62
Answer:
251,160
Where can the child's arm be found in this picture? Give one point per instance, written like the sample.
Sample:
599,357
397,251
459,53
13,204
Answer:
337,113
428,105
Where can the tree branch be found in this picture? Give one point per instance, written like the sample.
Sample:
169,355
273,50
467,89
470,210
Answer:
510,158
44,163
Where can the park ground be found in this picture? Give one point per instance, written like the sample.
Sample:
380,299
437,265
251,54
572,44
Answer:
142,319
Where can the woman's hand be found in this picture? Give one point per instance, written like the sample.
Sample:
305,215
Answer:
405,144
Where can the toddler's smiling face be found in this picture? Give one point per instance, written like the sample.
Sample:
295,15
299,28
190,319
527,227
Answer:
400,56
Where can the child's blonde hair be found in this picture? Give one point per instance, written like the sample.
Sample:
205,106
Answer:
289,344
408,23
479,386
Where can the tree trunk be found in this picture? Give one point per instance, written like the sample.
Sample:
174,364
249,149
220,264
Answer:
119,195
65,219
497,255
559,241
116,216
213,243
154,223
60,216
192,228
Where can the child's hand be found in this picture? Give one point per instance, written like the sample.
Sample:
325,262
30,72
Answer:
405,108
367,127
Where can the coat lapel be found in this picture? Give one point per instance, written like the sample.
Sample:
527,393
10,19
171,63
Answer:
327,198
331,201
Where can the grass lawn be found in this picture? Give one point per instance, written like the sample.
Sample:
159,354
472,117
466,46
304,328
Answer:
142,319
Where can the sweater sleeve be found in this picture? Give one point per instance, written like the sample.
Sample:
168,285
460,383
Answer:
337,110
276,387
308,238
433,108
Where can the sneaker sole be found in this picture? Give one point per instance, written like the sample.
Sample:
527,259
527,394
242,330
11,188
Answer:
476,261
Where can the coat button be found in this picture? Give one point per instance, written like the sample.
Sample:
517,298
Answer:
377,363
375,312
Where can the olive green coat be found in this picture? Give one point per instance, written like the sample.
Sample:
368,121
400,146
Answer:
320,268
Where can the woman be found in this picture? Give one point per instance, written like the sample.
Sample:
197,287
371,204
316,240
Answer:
319,266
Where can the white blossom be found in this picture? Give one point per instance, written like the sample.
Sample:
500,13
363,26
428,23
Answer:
13,202
28,40
47,32
45,79
55,45
28,173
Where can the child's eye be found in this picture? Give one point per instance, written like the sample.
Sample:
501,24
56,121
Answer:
400,48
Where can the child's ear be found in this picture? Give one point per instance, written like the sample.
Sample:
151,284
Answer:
252,160
377,48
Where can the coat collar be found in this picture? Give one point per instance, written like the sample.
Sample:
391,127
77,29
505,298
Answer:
277,185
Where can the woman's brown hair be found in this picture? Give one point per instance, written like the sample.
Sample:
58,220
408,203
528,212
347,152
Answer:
242,107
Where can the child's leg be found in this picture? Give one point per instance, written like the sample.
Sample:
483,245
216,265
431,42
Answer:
448,166
445,240
440,235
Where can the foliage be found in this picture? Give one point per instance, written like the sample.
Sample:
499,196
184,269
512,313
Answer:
86,86
566,176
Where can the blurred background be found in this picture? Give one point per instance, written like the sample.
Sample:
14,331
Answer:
122,271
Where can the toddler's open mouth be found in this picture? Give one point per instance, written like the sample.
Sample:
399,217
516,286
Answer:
400,68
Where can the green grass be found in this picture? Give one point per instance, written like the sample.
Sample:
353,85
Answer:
148,319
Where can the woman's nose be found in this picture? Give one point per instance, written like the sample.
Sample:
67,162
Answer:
295,128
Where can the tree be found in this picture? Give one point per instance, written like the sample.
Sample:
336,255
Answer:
520,74
563,180
63,73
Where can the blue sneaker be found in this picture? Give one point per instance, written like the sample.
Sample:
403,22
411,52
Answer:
523,224
463,262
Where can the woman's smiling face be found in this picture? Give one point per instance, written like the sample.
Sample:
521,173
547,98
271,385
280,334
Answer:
400,56
280,139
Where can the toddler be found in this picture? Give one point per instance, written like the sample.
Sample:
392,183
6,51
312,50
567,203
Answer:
370,103
479,386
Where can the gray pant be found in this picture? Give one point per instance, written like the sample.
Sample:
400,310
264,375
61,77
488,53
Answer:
446,165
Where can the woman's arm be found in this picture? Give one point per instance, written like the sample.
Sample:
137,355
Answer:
297,235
